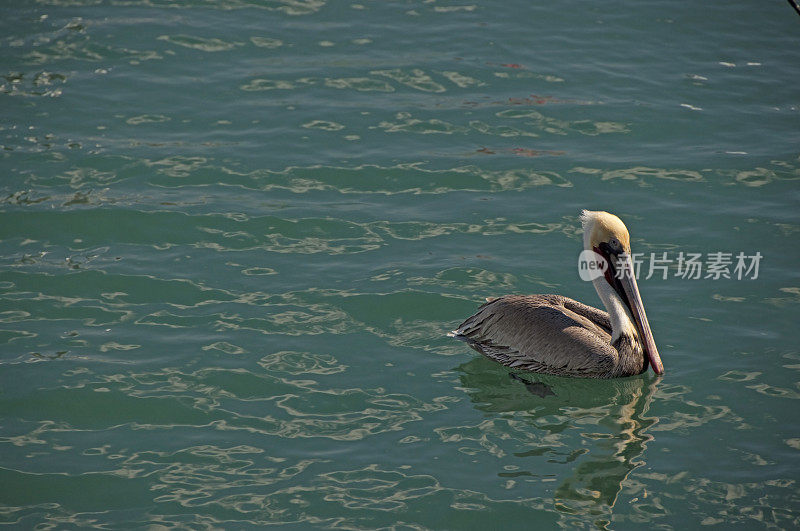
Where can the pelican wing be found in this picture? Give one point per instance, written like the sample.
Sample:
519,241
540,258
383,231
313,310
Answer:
543,333
597,317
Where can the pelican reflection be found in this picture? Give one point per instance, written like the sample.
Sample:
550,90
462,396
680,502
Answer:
588,435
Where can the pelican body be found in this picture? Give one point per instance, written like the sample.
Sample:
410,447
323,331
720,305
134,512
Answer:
553,334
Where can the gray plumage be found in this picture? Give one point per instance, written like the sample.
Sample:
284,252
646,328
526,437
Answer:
551,334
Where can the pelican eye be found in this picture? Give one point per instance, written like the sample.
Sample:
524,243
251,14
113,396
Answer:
615,246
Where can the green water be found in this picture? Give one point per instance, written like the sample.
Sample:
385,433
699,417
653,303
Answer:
233,235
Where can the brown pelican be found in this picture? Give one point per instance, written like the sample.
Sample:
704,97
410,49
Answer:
553,334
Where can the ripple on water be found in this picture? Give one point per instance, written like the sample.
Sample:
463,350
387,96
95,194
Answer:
305,492
294,363
74,41
643,173
323,125
41,83
147,119
276,398
267,84
533,125
468,279
360,84
547,124
357,497
462,80
406,178
580,443
226,347
266,42
200,43
179,171
416,79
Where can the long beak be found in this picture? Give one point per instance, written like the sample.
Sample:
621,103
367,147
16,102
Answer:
628,282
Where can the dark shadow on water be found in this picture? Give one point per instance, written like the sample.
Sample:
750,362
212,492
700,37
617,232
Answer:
603,422
534,387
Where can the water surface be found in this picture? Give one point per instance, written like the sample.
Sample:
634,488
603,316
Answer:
233,235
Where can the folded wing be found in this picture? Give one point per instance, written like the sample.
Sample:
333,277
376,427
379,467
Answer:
543,333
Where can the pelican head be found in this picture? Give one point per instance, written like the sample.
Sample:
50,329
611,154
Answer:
607,235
